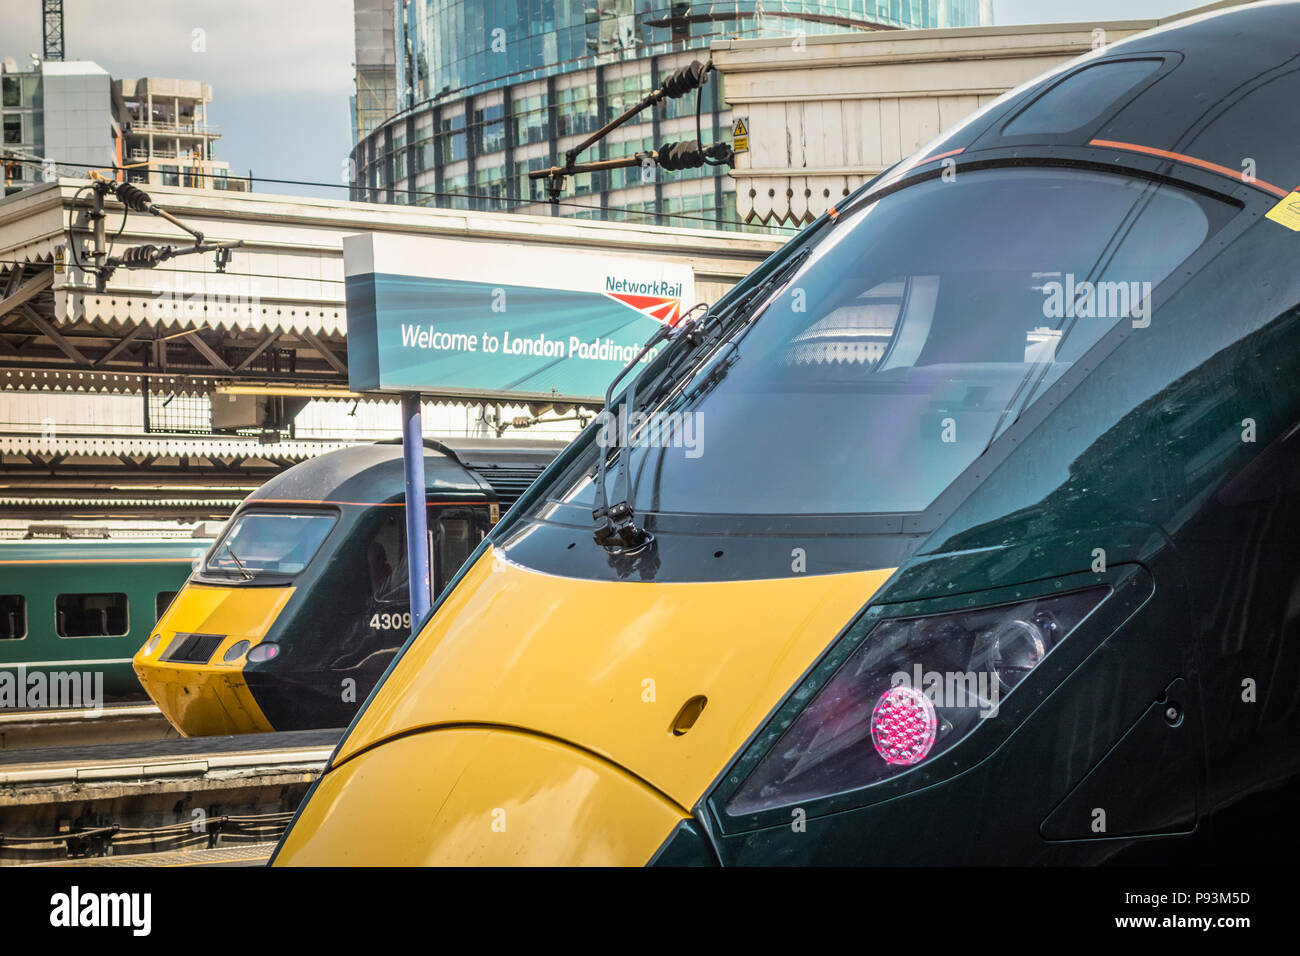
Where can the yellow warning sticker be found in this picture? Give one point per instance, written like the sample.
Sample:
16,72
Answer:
739,136
1287,212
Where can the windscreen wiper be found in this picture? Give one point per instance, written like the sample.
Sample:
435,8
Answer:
225,546
616,529
615,526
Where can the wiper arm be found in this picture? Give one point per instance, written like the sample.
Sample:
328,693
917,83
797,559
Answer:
718,325
615,526
616,529
225,546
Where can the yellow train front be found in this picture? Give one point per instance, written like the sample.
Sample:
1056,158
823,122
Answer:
964,531
303,600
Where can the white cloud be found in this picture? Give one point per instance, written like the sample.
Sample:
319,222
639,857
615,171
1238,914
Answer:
276,46
280,70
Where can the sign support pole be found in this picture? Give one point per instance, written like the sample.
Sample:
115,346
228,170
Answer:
417,525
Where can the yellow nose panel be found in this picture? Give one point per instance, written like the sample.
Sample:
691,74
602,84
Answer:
488,797
611,666
212,697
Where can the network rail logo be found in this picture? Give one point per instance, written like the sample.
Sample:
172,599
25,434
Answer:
655,299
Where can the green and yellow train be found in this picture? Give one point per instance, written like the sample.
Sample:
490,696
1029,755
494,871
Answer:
990,553
303,600
83,607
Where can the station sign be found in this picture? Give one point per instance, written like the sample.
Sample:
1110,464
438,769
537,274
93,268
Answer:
499,320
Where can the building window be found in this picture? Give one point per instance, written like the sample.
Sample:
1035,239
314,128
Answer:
490,187
456,186
450,141
12,91
530,119
13,617
681,23
170,175
578,110
90,615
31,92
489,130
13,130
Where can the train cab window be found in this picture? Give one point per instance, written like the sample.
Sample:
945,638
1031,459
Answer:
386,560
267,544
454,540
161,602
13,617
453,536
1081,99
91,615
917,329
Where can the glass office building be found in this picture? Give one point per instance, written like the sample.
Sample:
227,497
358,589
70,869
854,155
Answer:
488,90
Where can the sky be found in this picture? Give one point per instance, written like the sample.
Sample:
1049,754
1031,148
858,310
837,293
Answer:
281,70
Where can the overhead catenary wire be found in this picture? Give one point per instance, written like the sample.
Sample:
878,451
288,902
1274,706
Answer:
459,194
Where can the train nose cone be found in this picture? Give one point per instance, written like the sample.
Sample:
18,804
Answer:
482,796
584,717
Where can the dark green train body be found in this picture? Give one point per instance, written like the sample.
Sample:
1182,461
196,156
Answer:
990,553
84,607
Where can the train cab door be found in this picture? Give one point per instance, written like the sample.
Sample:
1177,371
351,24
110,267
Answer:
454,533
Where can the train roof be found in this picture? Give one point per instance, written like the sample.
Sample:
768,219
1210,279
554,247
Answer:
48,551
367,474
1214,91
504,452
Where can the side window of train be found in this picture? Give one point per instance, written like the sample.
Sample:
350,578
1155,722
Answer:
91,615
386,559
161,602
13,617
455,537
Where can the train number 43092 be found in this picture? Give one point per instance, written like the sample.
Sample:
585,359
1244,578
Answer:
390,622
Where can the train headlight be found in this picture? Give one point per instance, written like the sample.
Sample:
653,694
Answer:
235,651
912,689
266,651
903,725
151,645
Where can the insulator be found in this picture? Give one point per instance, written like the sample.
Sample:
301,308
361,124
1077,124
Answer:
133,197
720,153
686,155
685,80
141,257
